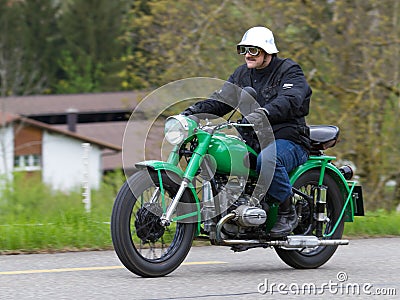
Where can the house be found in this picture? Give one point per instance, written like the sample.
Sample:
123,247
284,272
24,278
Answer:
102,116
63,158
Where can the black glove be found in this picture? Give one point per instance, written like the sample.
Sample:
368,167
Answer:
258,118
262,128
191,110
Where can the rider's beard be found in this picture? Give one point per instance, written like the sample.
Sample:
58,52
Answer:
256,62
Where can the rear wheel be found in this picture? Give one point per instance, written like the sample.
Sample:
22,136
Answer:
314,257
143,245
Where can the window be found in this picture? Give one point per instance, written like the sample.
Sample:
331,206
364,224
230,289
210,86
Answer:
31,162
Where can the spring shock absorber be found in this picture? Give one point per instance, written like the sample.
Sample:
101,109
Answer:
320,209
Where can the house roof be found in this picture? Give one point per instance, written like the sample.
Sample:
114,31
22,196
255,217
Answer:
6,118
113,133
60,104
108,132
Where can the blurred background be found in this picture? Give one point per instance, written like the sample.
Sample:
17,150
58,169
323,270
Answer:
79,67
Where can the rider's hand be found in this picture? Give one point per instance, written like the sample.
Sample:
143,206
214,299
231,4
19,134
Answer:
258,118
191,110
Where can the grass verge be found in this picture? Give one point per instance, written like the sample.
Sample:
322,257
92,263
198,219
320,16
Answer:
377,223
35,219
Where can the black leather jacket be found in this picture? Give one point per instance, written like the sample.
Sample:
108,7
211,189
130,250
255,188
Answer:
282,90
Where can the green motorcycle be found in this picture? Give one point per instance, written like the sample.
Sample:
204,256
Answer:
204,191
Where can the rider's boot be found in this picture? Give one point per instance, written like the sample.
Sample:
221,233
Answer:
287,220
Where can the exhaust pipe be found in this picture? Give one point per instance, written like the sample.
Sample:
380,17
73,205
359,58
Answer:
306,241
291,242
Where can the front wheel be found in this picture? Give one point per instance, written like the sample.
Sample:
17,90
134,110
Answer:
143,245
308,258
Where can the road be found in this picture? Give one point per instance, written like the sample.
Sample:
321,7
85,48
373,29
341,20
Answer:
361,269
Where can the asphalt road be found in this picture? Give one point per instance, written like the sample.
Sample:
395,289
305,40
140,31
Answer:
365,269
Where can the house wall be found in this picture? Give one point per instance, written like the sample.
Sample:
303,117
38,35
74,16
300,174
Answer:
63,165
6,150
27,140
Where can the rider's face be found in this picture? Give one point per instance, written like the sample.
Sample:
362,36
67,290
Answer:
257,62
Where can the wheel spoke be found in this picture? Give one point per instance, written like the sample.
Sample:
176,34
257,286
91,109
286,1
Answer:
142,244
314,257
151,238
307,220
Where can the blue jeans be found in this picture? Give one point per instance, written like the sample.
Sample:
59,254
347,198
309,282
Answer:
284,155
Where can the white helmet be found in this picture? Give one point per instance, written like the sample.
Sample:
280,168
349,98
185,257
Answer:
260,37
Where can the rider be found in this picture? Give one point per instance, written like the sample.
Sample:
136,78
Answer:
284,97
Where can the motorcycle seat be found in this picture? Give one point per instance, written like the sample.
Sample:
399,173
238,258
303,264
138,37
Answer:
323,137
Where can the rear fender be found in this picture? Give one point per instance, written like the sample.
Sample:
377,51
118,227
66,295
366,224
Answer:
345,187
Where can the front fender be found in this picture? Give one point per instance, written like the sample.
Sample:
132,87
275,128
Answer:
160,165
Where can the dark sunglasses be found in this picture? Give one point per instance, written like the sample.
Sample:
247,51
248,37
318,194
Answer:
253,51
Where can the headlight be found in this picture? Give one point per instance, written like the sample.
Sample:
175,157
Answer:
176,129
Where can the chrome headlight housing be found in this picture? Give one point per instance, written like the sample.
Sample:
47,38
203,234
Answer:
176,129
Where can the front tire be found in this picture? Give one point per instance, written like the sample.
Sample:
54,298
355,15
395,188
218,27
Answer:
144,246
309,258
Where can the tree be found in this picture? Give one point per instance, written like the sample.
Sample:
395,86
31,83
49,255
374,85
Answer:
90,61
26,46
348,49
177,39
43,37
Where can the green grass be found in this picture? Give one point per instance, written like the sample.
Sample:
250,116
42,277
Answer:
378,223
35,219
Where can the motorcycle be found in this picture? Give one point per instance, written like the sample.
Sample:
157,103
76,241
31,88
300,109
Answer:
204,190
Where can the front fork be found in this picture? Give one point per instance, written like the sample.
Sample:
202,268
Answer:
167,216
189,174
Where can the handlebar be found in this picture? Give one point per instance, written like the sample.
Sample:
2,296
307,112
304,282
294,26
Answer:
227,125
235,124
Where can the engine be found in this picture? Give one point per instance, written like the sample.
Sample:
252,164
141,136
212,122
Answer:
233,199
248,216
